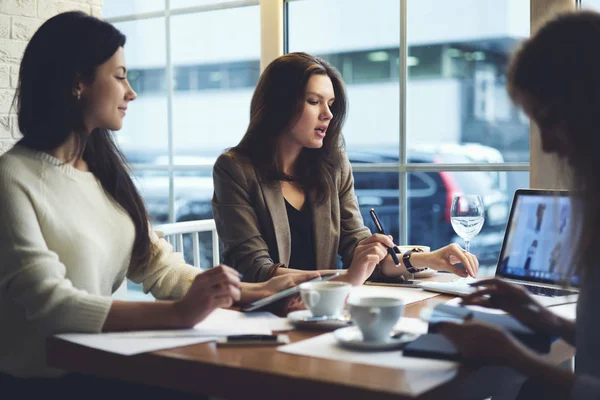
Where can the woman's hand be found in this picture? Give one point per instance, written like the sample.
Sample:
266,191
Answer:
367,254
487,344
279,283
218,287
256,291
447,259
483,343
516,301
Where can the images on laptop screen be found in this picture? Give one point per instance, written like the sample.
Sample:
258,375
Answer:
537,242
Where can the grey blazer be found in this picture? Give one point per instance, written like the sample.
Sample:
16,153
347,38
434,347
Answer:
252,220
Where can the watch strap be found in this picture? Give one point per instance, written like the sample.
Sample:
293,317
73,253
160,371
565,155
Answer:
406,260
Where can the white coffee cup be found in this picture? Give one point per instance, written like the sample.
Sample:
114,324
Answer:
325,298
375,316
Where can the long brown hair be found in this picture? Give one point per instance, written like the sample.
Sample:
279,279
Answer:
68,47
276,104
555,76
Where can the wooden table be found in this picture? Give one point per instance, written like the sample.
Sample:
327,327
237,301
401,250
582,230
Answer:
256,372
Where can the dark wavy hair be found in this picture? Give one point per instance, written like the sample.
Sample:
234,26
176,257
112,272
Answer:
555,76
277,103
66,49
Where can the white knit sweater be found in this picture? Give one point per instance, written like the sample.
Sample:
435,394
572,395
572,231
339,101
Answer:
65,247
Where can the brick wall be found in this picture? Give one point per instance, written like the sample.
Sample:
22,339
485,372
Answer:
19,19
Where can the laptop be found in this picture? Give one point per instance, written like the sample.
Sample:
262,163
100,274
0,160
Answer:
535,249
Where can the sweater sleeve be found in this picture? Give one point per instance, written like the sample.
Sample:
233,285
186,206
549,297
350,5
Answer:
352,226
167,275
585,387
31,275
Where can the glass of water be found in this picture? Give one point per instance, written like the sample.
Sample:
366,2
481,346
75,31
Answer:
467,216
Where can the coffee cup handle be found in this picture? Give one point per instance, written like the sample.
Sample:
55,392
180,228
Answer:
313,298
373,314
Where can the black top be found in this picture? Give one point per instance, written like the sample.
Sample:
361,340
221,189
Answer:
303,242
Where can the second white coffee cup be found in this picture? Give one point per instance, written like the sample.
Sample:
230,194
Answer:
375,316
325,298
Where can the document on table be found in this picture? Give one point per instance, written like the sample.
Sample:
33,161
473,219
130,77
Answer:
219,323
419,375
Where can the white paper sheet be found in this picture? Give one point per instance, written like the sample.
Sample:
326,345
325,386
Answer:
420,374
409,295
219,323
238,323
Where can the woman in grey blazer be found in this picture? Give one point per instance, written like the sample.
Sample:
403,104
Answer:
284,196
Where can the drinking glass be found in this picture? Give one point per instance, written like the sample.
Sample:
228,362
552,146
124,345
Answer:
467,216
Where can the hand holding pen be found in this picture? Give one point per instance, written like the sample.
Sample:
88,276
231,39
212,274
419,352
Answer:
380,230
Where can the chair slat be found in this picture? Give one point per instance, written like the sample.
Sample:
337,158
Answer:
180,242
215,248
196,243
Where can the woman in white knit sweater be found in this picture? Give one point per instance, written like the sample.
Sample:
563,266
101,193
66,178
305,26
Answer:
72,224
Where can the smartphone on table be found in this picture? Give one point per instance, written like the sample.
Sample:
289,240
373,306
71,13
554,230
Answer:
253,340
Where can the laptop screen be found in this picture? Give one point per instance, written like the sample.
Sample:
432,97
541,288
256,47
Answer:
536,244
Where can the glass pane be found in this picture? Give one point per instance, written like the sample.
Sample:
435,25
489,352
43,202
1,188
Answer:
456,91
366,58
214,80
144,135
118,8
430,197
593,4
154,188
195,3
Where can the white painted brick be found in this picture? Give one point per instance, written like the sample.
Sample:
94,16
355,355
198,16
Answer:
24,8
4,26
5,127
97,11
11,51
4,76
6,98
16,133
24,28
14,76
5,146
49,8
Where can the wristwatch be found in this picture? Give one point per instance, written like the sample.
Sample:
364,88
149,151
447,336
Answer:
406,260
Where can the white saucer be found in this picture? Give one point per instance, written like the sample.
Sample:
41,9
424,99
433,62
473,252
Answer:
351,338
304,319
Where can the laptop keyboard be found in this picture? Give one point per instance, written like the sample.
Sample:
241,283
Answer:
551,292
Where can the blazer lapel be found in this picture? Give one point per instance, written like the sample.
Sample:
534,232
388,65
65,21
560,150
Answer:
322,233
276,206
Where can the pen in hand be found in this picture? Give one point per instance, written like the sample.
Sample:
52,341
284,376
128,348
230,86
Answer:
380,229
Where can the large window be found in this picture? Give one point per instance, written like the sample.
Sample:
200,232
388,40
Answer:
193,64
429,115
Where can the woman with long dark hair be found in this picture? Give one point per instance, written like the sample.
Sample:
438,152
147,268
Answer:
284,197
72,224
554,78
